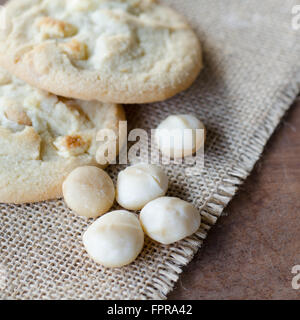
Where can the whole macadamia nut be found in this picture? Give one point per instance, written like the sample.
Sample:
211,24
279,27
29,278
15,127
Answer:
139,184
168,220
89,191
180,135
115,239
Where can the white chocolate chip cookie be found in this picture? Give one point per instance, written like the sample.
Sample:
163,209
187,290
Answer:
44,137
121,51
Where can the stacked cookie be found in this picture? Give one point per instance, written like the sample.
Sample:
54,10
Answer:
68,64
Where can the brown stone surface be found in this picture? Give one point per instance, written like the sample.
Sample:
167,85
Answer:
249,254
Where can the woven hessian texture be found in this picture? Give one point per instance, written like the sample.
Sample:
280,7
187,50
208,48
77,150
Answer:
250,79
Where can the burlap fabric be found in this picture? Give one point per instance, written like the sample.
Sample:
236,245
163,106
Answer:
251,77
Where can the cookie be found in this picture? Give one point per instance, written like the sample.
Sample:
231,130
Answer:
118,51
44,137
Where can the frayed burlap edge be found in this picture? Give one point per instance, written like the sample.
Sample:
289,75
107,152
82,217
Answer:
224,192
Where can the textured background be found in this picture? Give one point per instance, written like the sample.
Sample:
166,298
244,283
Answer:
251,77
255,244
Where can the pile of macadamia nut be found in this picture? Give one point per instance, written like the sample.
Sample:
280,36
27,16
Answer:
117,238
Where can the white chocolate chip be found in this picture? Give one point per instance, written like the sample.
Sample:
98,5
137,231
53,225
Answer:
89,191
180,135
168,220
139,184
5,78
115,239
79,5
17,114
51,28
70,146
75,50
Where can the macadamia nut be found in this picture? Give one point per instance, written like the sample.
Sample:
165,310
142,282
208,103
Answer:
115,239
139,184
168,220
89,191
179,136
